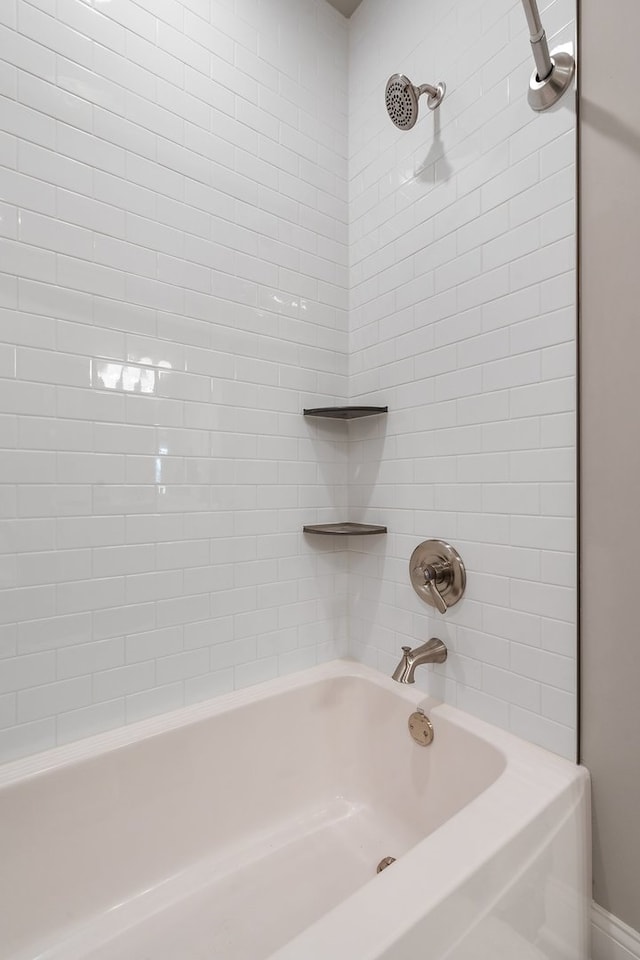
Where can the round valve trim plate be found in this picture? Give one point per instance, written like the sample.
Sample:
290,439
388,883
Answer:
452,577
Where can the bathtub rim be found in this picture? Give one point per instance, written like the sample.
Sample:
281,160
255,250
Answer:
87,748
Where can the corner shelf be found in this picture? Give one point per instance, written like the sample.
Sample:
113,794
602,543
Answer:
346,529
344,413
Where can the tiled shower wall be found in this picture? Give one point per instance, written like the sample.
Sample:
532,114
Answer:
174,182
173,290
463,319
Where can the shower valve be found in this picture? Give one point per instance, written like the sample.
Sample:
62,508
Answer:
437,574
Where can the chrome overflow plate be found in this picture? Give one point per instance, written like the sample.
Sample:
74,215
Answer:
437,574
421,728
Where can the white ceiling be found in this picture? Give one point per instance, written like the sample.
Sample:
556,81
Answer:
345,6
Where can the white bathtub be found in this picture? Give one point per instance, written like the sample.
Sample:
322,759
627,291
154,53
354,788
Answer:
251,826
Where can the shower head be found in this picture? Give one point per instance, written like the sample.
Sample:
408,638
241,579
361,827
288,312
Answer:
402,99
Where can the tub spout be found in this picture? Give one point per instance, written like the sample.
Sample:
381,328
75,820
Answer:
433,651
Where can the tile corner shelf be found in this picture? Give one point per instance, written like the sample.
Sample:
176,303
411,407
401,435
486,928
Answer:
346,529
344,413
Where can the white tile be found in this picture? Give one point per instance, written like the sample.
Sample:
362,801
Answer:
110,684
89,721
53,698
207,633
511,372
87,22
7,710
522,627
8,641
510,184
50,500
46,433
558,499
208,685
556,737
86,658
56,368
556,601
51,301
22,121
53,101
545,195
89,594
29,56
26,261
194,247
119,621
485,706
547,262
23,739
19,673
510,308
547,533
487,648
487,347
559,362
149,703
520,434
560,637
543,398
54,633
515,689
543,465
543,666
257,671
143,587
182,665
52,566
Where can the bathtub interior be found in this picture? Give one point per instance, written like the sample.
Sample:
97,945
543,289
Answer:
232,832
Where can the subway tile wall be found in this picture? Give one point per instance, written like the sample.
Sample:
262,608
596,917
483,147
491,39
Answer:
185,202
463,320
173,290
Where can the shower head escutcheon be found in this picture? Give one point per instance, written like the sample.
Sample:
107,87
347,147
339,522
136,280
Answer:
554,72
402,97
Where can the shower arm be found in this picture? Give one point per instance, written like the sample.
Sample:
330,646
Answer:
427,88
554,71
538,38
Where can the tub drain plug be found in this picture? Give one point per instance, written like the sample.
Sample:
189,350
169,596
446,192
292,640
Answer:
385,863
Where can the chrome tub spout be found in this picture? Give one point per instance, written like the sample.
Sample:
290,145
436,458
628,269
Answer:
433,651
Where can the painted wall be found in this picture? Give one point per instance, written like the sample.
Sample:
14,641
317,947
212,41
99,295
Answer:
463,316
610,458
173,290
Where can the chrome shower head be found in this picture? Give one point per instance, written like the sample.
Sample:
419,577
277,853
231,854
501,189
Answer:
402,99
